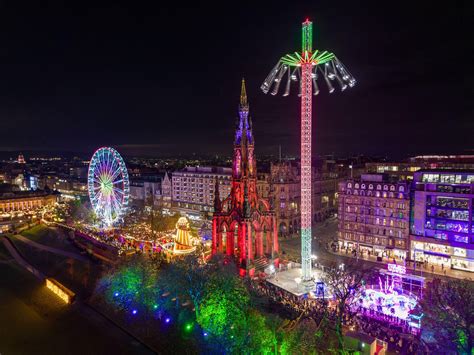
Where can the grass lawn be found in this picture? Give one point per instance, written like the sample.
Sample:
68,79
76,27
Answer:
34,321
79,276
50,236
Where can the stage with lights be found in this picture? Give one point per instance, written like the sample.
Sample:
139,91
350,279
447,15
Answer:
290,281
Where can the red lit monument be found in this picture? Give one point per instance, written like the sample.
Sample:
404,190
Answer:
244,225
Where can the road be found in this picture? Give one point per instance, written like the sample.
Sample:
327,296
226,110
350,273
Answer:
322,233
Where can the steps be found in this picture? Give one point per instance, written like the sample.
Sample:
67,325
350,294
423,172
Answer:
261,263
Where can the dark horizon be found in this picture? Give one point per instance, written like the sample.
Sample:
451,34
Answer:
165,81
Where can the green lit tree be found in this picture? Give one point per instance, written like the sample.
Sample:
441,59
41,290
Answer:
448,308
224,311
262,338
132,286
299,338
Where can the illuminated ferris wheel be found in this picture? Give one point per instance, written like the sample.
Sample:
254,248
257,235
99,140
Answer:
108,185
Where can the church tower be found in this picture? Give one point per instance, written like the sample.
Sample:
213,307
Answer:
244,172
244,225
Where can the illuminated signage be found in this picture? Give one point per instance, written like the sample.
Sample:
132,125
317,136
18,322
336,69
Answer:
59,290
397,269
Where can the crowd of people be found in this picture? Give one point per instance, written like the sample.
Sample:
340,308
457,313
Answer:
397,333
396,336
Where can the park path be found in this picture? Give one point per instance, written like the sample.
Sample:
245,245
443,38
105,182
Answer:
50,249
19,258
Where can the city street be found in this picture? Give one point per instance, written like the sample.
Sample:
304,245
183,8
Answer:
323,233
326,232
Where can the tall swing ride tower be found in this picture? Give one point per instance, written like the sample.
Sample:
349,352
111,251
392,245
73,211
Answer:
306,67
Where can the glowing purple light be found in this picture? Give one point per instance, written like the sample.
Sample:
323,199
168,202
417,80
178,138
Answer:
134,311
167,320
397,269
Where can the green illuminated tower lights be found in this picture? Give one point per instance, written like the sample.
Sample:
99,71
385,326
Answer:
306,66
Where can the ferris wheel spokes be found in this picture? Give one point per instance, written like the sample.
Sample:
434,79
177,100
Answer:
108,185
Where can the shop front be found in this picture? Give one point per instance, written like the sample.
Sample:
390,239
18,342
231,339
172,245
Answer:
345,245
464,264
434,258
399,254
380,251
365,250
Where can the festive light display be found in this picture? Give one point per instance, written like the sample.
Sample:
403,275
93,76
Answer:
307,66
108,185
59,290
391,301
397,269
184,242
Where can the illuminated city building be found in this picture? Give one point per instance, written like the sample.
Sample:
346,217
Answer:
441,224
282,188
21,159
461,161
285,192
165,197
399,170
404,170
146,191
26,200
325,180
244,225
373,216
193,188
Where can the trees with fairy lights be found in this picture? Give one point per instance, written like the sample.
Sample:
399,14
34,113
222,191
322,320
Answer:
132,287
223,311
448,308
186,277
345,282
214,308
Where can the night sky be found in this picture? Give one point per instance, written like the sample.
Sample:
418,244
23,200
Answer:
162,80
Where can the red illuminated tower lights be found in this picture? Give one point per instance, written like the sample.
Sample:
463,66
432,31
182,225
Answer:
306,66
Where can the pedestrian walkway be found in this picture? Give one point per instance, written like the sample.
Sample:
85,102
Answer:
50,249
19,258
426,270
